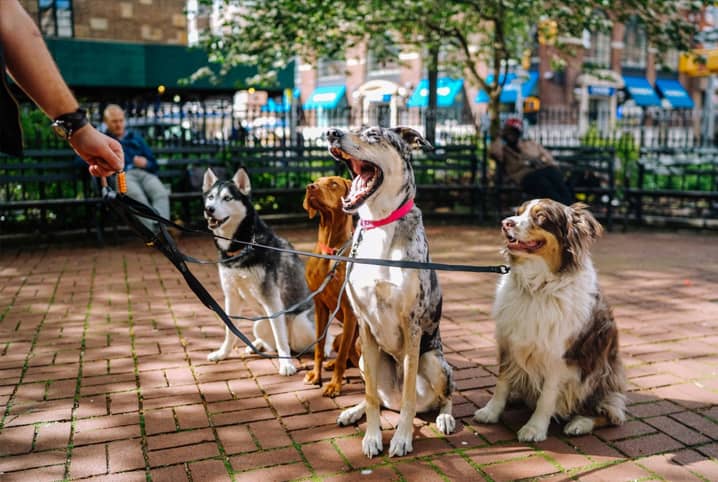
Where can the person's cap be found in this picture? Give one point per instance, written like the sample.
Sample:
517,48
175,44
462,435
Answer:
514,122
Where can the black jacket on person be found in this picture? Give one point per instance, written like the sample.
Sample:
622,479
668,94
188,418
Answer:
10,130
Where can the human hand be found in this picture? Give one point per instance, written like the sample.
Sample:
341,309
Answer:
140,162
103,153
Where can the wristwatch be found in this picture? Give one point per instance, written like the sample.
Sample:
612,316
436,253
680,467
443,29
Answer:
66,124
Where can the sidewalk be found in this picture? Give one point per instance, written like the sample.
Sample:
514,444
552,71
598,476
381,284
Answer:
104,375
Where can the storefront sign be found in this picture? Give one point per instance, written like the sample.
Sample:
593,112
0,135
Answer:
601,90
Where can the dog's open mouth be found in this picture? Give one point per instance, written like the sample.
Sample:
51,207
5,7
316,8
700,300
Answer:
367,179
214,223
517,245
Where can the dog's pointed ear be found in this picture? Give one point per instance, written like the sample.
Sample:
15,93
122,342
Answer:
209,179
413,138
310,210
241,180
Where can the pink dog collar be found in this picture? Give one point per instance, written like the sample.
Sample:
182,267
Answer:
398,214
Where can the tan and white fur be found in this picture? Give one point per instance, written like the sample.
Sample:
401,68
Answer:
557,339
398,309
275,280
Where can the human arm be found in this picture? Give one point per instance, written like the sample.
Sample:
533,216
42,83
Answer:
33,69
144,159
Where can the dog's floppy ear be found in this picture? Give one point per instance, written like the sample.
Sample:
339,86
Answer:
413,138
582,231
209,179
584,221
310,210
241,180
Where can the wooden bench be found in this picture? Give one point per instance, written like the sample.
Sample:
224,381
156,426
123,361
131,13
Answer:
588,171
47,191
673,187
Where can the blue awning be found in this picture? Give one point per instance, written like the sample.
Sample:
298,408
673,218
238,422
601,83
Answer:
675,93
326,97
510,90
275,107
447,91
641,91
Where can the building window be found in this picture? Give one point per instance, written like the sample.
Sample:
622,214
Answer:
634,44
327,68
383,58
55,18
598,50
668,60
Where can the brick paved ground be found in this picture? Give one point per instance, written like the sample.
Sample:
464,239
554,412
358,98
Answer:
104,376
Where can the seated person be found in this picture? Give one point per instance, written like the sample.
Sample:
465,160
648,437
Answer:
529,165
140,165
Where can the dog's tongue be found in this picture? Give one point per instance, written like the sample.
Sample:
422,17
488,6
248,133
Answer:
524,245
364,173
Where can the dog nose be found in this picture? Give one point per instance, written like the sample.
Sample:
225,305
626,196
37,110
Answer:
333,134
312,187
508,223
209,209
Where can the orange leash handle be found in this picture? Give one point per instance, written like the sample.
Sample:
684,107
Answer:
121,182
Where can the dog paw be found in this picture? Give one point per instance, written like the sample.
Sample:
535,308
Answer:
312,378
400,445
330,365
579,426
446,423
332,389
371,444
532,433
217,355
486,415
350,416
259,345
286,368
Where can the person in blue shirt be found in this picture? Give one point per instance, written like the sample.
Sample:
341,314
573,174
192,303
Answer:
140,166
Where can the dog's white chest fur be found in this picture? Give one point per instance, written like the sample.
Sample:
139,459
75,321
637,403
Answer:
381,295
536,312
247,282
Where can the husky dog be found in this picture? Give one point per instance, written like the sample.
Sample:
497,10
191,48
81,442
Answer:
274,279
398,309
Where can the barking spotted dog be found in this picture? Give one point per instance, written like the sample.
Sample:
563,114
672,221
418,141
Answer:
557,339
398,309
275,280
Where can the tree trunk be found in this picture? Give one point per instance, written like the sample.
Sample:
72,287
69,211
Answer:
430,113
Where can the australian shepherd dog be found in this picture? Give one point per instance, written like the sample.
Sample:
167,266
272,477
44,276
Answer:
556,336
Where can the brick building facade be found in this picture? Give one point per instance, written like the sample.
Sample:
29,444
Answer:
155,21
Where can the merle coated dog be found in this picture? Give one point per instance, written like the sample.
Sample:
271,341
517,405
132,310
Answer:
275,280
398,309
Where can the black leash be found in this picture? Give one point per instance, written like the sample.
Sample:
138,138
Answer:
129,210
145,211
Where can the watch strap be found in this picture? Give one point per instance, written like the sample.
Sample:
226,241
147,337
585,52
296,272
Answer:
68,124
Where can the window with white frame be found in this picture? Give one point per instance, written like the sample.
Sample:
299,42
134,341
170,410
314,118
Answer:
634,44
598,49
55,18
668,60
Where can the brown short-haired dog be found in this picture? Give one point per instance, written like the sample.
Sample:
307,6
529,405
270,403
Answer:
324,196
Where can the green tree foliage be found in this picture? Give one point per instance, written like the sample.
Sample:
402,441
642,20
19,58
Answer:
468,33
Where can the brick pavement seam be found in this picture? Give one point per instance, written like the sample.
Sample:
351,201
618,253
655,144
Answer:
78,384
188,359
33,343
657,475
136,371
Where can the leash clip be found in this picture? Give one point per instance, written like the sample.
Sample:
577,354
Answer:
503,269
